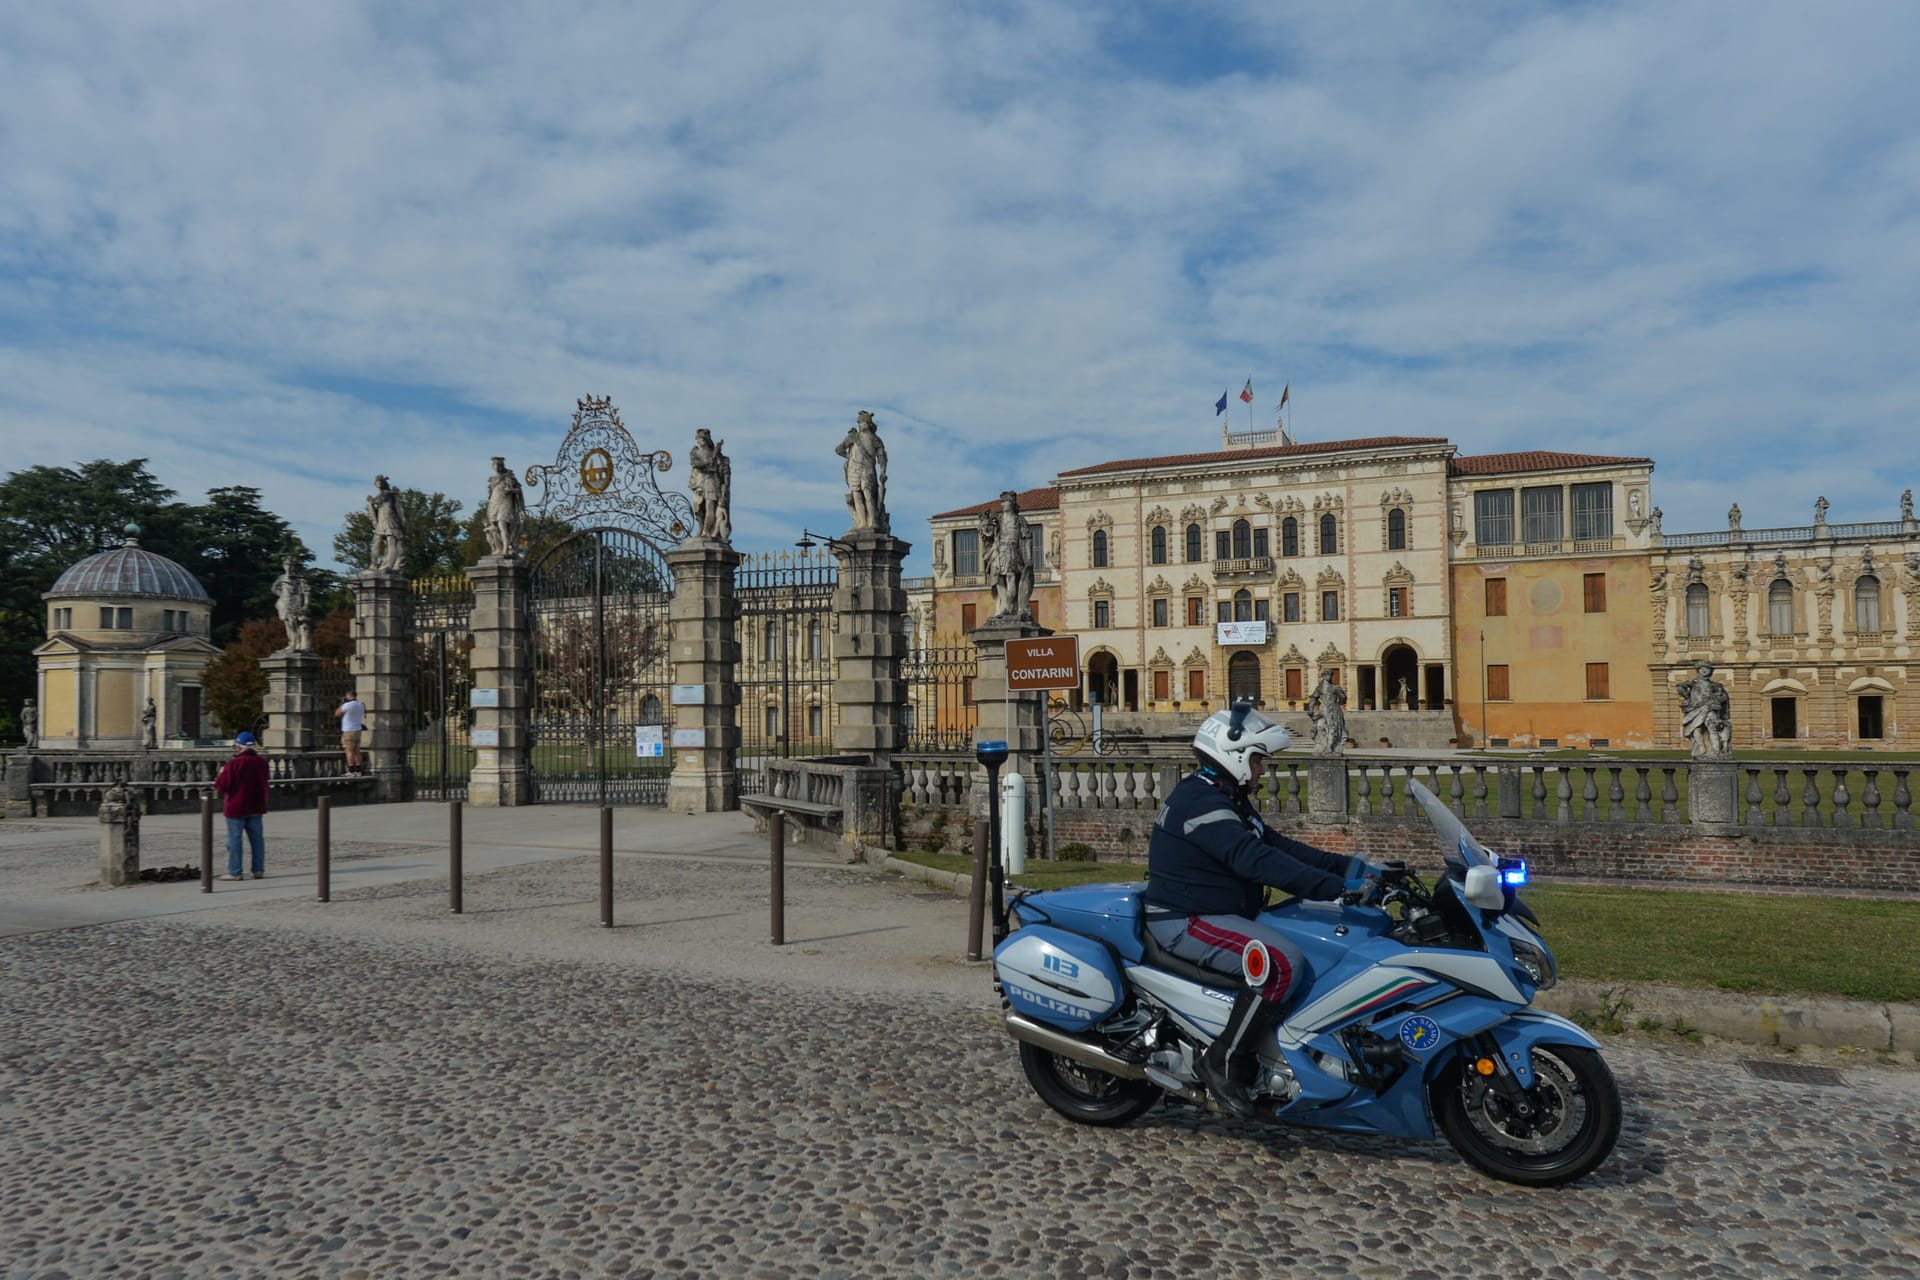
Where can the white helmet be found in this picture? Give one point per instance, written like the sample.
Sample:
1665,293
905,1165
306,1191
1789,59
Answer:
1232,737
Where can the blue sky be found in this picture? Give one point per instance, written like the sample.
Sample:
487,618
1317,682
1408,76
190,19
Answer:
290,246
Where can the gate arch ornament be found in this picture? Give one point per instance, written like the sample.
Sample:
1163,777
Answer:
601,477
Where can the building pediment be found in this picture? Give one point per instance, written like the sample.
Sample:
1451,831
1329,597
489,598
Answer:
61,642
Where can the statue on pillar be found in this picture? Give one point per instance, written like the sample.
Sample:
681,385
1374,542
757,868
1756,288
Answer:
1820,509
149,730
30,724
1008,539
1705,714
389,550
1326,708
710,480
1906,507
1733,517
866,474
293,601
120,849
506,522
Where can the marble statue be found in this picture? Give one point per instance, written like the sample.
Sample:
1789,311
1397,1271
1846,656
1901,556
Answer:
711,483
1733,517
1402,694
149,726
389,550
506,512
1820,510
1906,506
866,474
1654,519
1007,539
293,601
1326,708
1633,503
1705,714
30,724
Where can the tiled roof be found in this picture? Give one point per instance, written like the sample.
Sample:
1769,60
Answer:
129,570
1046,499
1243,455
1500,464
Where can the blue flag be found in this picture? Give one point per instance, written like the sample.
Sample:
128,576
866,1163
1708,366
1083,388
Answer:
1221,407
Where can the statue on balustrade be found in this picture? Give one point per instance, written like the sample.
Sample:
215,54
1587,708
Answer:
149,726
1327,711
389,549
1706,715
1007,537
293,602
506,512
30,724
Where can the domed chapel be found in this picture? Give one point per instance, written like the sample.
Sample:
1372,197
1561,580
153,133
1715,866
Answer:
124,626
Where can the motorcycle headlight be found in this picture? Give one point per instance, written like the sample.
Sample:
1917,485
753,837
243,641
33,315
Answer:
1535,963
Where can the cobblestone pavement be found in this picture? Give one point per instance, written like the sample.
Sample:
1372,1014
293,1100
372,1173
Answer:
376,1088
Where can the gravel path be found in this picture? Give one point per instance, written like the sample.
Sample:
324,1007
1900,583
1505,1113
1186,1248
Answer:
376,1088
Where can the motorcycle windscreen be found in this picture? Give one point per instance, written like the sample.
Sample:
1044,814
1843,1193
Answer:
1058,978
1459,843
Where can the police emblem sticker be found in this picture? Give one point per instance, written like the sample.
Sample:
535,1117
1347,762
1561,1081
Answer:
1419,1033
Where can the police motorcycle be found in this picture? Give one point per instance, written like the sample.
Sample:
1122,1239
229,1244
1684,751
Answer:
1415,1015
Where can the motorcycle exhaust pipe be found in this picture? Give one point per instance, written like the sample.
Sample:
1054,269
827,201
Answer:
1071,1046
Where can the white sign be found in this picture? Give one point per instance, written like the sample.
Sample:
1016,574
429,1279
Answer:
483,697
486,737
689,695
648,741
1242,632
689,737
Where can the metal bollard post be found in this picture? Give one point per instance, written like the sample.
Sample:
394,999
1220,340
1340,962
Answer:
326,850
206,844
606,866
777,840
977,895
455,873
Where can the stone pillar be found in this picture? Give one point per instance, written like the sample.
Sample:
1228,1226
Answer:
383,677
1021,722
705,651
19,800
869,645
502,683
120,838
293,713
1327,789
1713,791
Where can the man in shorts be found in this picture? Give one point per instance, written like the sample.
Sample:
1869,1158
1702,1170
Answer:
352,715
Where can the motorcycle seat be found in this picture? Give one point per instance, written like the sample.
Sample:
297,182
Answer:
1158,957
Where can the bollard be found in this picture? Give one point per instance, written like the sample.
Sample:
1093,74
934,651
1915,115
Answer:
777,840
606,866
326,850
977,895
206,844
454,855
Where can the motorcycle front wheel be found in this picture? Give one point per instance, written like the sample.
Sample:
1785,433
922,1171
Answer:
1565,1127
1082,1093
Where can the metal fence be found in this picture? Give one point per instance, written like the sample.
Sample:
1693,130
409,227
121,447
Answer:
442,751
786,658
941,715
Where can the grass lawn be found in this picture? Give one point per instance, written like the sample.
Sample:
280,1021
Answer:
1764,944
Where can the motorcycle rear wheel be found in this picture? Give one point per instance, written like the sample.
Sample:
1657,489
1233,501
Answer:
1573,1120
1084,1094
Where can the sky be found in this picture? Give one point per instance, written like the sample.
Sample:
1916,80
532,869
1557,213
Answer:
290,246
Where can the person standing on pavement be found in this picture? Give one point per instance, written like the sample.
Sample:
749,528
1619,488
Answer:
243,786
352,715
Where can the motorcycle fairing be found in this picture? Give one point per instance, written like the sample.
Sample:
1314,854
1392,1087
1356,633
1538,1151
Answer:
1473,971
1058,978
1519,1032
1202,1010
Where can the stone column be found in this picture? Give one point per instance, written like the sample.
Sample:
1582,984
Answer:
1327,789
383,677
502,676
1022,721
120,838
705,652
869,689
293,713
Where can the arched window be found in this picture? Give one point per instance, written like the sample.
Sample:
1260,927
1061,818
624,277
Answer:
1866,604
1243,676
1289,537
1697,610
1243,605
1329,535
1159,544
1396,530
1780,609
1242,539
650,709
1193,544
814,648
770,640
1099,548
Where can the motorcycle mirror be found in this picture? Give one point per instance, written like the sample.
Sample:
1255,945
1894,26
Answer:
1483,888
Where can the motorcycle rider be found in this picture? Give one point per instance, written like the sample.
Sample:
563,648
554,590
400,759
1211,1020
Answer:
1210,861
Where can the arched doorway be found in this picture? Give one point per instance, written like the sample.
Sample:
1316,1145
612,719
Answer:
1400,663
1103,679
1243,677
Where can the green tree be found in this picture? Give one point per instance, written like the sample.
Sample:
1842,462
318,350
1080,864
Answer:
235,684
236,551
436,535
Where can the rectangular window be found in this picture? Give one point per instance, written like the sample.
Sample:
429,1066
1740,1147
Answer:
1223,545
1866,606
106,619
1872,725
969,616
1162,684
1296,681
1037,547
1197,683
126,620
1598,686
1542,511
1785,718
1290,606
1496,597
1493,516
1259,610
1159,611
1329,606
1780,613
63,619
1261,547
1593,510
773,722
1223,611
966,552
1102,613
1593,591
1396,602
816,720
1196,611
1497,690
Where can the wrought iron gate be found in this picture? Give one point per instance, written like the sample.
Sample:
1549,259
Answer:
786,659
442,753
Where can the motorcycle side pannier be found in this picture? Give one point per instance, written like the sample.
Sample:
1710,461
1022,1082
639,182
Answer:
1058,978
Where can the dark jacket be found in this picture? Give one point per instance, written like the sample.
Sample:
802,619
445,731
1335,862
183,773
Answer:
1211,855
243,781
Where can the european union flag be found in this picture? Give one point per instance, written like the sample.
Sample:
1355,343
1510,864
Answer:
1221,407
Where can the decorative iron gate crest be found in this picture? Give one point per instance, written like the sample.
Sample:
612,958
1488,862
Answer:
600,476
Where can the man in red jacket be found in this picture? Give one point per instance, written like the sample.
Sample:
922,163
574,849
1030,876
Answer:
243,783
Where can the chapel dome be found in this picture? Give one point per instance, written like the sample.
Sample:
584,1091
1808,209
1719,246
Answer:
129,570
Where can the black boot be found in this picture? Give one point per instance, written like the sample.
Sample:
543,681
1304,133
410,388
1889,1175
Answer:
1227,1056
